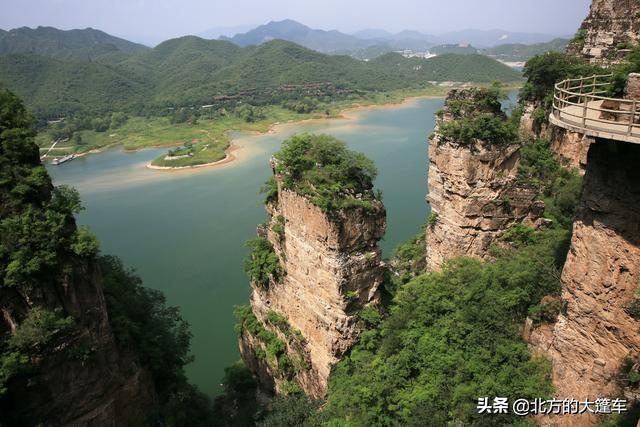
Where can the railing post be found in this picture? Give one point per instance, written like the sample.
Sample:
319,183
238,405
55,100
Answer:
581,92
632,117
595,81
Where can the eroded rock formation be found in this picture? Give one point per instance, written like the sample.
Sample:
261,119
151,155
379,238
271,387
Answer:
473,192
606,35
81,378
595,331
332,269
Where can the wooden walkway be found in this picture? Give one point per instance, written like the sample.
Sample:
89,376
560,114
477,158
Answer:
580,107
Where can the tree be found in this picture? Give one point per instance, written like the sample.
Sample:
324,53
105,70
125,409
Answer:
77,139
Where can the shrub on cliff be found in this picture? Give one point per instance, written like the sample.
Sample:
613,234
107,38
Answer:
485,127
477,116
323,169
262,264
559,187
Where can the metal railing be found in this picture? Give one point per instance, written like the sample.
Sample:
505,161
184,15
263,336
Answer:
581,103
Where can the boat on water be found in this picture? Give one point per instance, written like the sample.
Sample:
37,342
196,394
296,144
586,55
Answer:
63,159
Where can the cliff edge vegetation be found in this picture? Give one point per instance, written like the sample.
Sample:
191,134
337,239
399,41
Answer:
324,170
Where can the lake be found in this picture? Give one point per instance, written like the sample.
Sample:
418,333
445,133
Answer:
184,232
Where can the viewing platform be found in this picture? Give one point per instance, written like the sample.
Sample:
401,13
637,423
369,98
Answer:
580,105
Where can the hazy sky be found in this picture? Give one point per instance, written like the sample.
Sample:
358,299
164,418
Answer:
156,20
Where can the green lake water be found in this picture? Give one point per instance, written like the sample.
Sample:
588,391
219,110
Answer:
184,232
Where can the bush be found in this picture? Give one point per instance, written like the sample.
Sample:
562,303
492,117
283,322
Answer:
432,220
322,168
450,337
141,321
237,405
633,306
262,264
622,71
270,190
35,332
559,188
293,410
274,348
544,71
486,127
546,311
278,226
37,329
12,363
409,259
579,39
85,244
520,235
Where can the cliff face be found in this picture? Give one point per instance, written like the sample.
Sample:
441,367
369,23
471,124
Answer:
81,378
595,331
332,270
60,362
610,29
571,148
473,192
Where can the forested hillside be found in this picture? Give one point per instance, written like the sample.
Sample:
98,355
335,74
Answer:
55,43
190,71
522,52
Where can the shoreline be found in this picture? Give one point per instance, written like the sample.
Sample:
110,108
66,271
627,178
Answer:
229,157
348,113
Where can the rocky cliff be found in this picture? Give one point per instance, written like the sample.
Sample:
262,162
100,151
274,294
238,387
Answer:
79,378
473,192
59,361
598,330
331,270
606,35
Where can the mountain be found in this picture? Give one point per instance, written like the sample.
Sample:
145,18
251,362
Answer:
55,43
372,33
458,68
192,71
491,38
320,40
522,52
461,49
217,32
413,35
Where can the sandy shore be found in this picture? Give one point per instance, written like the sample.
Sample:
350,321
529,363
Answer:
349,113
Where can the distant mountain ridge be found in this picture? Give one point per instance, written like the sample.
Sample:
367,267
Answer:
492,38
334,41
522,52
290,30
55,43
